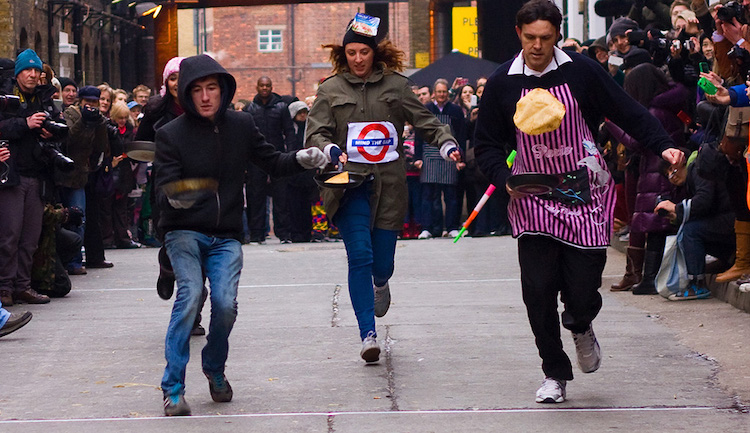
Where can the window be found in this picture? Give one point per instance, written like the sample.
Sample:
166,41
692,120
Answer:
269,40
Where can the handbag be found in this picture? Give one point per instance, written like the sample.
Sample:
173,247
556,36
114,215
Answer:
104,184
672,276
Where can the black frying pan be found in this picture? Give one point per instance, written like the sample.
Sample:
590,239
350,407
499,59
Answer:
533,183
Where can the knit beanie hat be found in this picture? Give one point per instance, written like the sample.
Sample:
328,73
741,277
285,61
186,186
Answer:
635,57
27,59
65,82
351,36
172,66
620,26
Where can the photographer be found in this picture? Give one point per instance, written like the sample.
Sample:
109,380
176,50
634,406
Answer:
21,203
88,146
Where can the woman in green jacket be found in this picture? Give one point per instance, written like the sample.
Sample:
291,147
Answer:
358,120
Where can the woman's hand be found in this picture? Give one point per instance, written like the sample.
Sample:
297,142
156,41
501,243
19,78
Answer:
418,164
117,159
4,154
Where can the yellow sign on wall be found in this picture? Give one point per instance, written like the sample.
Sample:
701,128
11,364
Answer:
465,34
421,59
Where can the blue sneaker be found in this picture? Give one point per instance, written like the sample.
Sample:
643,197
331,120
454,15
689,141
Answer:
175,405
695,290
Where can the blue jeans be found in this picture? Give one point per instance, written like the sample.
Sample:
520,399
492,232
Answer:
370,252
713,236
75,198
192,254
4,316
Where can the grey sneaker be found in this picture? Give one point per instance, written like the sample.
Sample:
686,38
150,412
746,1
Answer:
175,405
588,351
370,349
382,299
221,390
551,391
15,322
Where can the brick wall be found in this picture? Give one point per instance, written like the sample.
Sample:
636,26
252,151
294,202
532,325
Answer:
235,42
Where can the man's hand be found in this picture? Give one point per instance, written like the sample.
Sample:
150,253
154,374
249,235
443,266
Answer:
668,206
418,163
335,155
35,120
449,151
312,157
181,204
732,31
673,156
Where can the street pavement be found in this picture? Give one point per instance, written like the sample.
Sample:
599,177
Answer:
458,354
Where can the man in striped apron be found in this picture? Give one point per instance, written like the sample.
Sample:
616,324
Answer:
562,234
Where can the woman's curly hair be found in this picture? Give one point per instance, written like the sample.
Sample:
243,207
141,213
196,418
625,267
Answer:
386,54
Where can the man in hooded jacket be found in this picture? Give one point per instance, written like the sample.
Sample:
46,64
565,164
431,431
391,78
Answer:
203,235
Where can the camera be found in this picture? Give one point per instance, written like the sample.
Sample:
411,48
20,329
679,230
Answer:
661,212
732,9
50,152
683,45
9,104
58,129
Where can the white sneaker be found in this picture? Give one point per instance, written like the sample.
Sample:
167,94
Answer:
453,233
424,235
382,299
370,349
745,287
551,391
588,351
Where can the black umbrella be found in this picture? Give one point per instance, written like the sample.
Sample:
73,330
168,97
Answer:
454,65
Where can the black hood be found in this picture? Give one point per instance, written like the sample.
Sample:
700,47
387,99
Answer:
197,67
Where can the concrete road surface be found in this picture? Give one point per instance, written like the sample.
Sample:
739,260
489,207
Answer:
458,353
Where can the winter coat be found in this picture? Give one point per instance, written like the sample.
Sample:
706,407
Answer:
26,158
124,172
87,146
651,182
708,198
382,96
157,113
273,121
192,146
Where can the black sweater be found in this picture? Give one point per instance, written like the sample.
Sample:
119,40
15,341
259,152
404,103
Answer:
597,94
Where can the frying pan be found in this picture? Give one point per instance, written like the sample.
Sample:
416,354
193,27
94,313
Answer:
533,183
191,189
355,179
142,151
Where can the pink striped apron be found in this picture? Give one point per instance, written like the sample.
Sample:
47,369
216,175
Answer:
566,149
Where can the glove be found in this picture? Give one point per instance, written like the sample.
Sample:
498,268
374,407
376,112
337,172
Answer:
312,157
181,204
90,114
447,148
335,152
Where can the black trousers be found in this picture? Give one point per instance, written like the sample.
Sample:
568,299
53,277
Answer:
257,188
549,267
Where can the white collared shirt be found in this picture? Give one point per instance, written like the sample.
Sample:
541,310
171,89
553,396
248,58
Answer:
519,65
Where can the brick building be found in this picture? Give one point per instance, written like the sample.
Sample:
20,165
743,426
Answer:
284,42
84,41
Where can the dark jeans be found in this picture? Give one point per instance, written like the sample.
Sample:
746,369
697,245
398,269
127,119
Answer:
713,236
549,267
432,208
21,211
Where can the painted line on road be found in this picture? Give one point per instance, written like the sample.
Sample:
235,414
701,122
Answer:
361,413
327,284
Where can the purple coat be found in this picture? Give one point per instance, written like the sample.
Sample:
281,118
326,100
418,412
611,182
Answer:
651,183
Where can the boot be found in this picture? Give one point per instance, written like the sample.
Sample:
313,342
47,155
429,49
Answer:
651,264
742,262
633,270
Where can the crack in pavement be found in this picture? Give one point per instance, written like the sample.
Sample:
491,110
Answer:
335,306
390,375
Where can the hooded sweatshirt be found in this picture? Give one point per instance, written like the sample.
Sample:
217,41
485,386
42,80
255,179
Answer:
192,146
